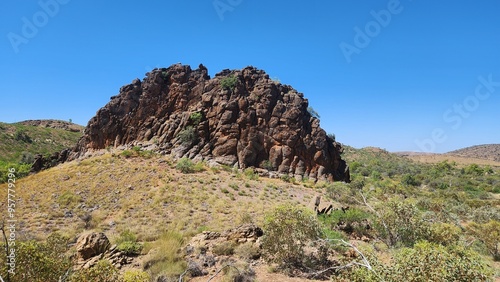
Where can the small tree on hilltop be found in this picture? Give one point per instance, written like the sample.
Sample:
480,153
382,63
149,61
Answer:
229,83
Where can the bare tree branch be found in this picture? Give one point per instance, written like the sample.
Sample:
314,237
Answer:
182,275
389,233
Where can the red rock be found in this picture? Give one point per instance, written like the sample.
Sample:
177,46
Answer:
257,121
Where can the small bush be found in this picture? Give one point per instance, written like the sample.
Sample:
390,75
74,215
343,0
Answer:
234,186
21,135
134,275
404,223
352,221
126,153
250,174
185,165
127,243
489,235
287,230
238,272
267,164
444,233
199,166
410,180
425,262
285,177
21,170
188,135
196,117
225,248
168,259
103,271
229,83
38,261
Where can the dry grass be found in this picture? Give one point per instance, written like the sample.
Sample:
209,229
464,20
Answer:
144,195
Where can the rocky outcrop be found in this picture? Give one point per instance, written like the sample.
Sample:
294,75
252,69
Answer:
41,162
240,118
93,247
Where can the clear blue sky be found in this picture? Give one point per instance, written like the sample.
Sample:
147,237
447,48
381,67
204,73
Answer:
408,82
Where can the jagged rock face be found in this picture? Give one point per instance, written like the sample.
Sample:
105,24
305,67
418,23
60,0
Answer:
184,112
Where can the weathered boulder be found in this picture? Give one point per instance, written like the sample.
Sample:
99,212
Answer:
90,245
93,247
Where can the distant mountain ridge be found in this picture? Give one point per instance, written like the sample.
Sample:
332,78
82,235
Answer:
53,123
486,151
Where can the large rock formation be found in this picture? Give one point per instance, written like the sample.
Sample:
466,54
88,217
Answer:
239,118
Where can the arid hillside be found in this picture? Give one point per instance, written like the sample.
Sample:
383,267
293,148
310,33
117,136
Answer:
480,154
486,152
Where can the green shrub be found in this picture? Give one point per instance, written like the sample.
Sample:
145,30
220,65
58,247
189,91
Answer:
168,260
103,271
188,135
134,275
229,82
267,164
185,165
199,166
126,153
196,117
473,169
22,136
20,170
410,180
354,166
444,233
352,221
489,235
425,262
285,177
250,174
403,223
341,192
287,230
39,261
127,243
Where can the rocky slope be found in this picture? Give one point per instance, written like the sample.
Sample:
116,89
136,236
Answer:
239,118
51,123
21,141
487,152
